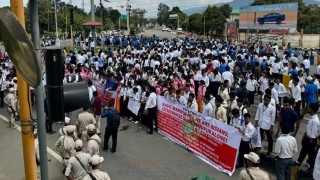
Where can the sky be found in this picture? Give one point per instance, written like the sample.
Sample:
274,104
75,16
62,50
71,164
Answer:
150,5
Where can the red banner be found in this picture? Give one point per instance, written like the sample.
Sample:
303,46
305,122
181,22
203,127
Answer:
208,138
107,96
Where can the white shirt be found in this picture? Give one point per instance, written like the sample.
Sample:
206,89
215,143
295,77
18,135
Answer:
251,84
306,63
313,127
151,101
280,89
193,105
182,100
265,116
207,110
296,93
285,146
248,131
227,75
316,170
274,95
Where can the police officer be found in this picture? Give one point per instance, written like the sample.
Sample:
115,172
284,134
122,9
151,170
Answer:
252,171
95,172
63,130
79,164
11,101
94,141
65,146
84,119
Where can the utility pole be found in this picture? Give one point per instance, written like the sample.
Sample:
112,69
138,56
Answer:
204,25
25,109
55,17
39,91
128,15
93,19
71,33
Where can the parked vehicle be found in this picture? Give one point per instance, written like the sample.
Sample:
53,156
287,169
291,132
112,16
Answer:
169,29
272,17
179,31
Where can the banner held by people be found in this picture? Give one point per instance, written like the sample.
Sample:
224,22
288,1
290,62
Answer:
212,141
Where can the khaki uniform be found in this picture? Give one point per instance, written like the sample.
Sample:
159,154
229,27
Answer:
74,167
99,175
84,119
255,172
65,147
11,100
93,145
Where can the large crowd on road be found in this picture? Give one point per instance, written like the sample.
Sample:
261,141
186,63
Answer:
221,79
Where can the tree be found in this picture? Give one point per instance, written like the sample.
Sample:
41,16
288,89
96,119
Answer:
114,15
215,20
196,23
163,13
226,9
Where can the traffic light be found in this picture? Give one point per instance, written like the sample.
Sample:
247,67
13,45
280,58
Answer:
71,16
62,98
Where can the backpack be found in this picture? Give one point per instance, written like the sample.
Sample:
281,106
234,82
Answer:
115,122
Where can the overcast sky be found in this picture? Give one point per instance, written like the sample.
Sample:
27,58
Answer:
150,5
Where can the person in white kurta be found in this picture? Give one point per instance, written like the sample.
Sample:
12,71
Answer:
207,108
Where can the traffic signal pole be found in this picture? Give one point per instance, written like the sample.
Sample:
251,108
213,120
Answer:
39,91
25,109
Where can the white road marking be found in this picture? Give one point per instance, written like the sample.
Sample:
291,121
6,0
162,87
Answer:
49,150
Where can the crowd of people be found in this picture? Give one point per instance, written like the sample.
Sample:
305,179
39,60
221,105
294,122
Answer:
216,78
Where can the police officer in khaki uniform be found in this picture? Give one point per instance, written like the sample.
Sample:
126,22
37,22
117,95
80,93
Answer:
79,164
63,130
11,100
95,172
252,171
84,119
94,141
65,146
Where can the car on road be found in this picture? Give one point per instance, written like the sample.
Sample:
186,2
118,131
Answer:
169,29
179,31
164,29
272,17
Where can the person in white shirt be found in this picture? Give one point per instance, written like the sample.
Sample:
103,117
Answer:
251,87
281,90
247,130
265,119
151,109
192,104
221,112
227,75
236,119
306,63
180,99
207,108
284,149
316,170
296,94
309,139
274,93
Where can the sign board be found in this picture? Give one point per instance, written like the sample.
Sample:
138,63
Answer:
105,97
123,17
173,16
207,138
275,16
232,30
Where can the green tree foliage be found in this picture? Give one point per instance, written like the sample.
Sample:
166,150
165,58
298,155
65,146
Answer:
226,9
196,23
308,17
163,13
215,19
